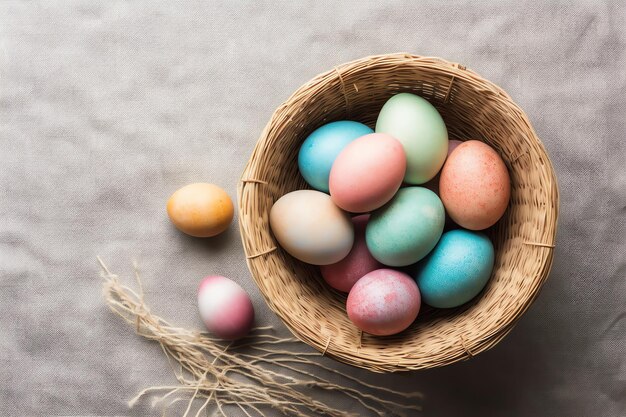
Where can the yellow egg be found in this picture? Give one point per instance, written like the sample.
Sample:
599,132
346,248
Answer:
200,210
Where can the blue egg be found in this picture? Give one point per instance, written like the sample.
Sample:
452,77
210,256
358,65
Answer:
456,270
319,150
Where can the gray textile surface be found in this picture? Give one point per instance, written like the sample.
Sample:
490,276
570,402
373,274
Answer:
107,107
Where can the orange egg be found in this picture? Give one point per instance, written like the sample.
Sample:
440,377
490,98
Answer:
200,210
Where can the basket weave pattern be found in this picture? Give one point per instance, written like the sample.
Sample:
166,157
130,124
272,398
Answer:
472,108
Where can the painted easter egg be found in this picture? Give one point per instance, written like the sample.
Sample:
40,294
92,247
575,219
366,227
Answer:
345,273
419,126
475,186
456,270
383,302
367,173
320,149
200,210
408,227
225,307
310,227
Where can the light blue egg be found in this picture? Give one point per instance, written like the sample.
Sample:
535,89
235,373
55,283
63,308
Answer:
456,270
407,228
320,148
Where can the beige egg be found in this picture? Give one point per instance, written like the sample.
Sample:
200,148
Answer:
311,228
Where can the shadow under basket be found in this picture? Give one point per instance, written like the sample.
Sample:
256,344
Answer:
472,108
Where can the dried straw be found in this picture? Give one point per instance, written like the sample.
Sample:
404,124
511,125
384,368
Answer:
473,108
259,373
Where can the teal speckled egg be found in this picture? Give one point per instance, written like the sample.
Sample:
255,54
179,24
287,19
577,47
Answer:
420,128
405,229
456,270
320,148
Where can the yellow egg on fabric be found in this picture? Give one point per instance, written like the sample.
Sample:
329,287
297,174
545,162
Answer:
200,210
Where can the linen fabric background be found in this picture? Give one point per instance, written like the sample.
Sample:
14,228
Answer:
106,108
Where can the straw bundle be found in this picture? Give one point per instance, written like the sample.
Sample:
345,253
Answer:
260,374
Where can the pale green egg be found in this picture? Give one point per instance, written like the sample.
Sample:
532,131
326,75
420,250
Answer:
420,128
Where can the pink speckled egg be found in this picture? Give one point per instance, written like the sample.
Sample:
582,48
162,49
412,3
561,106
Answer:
309,226
475,186
367,173
225,307
345,273
433,185
384,302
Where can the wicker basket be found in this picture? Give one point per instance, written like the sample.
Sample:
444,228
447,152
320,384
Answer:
473,108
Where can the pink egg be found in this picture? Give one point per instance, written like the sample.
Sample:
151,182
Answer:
433,185
475,186
225,307
367,173
384,302
452,145
345,273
